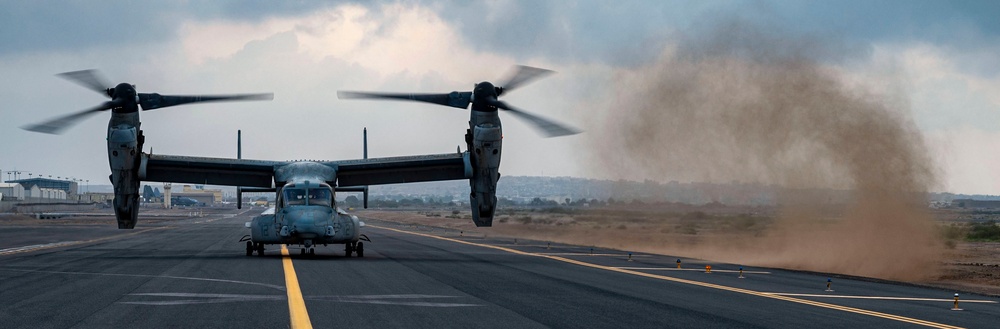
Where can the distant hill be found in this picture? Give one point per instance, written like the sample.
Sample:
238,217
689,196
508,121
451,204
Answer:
526,188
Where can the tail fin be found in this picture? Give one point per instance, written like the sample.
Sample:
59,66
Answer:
366,157
239,155
362,189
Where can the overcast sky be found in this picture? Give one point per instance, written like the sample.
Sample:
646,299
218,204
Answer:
942,58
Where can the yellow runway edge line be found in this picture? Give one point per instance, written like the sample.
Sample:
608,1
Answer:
296,305
696,283
884,298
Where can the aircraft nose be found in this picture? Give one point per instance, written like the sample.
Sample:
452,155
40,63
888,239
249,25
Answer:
309,223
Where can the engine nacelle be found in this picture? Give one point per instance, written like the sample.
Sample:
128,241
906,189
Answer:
485,153
123,155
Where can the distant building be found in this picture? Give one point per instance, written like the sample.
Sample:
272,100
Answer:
96,197
69,188
47,193
12,191
201,194
975,204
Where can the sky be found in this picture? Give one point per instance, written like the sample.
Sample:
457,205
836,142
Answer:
938,57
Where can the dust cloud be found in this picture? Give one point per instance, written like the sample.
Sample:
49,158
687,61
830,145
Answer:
739,102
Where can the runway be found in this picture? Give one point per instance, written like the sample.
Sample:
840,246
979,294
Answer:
194,273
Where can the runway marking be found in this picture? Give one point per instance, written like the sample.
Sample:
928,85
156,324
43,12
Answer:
18,250
296,306
885,298
199,298
380,299
688,269
692,282
202,298
149,276
36,247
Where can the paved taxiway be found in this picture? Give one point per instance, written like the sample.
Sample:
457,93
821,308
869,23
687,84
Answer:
193,273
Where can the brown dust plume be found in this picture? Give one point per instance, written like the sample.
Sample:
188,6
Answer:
738,103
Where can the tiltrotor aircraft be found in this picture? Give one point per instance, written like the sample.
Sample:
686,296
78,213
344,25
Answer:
305,213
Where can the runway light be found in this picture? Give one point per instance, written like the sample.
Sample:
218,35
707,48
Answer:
678,263
461,233
548,245
630,256
741,272
829,282
591,251
708,269
956,304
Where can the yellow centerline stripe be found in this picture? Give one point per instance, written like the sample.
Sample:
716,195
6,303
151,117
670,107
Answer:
691,282
296,305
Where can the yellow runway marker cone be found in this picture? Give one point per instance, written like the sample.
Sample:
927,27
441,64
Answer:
678,263
708,269
956,304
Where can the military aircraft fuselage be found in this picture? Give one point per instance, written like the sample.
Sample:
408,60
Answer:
305,214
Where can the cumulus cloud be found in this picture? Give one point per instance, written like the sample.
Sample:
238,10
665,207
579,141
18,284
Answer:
304,52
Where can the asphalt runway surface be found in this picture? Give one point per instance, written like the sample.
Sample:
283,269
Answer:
194,273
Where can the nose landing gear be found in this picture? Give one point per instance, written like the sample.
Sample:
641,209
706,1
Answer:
312,251
357,248
253,246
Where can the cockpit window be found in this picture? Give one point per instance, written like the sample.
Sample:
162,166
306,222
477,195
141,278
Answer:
320,197
314,197
295,197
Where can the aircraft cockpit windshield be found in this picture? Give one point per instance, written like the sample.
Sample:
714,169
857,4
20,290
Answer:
317,196
320,197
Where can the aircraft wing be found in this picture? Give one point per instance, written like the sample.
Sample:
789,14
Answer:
213,171
404,169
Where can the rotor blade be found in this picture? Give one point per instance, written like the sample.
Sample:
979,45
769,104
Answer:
156,101
522,75
546,126
454,99
90,79
57,125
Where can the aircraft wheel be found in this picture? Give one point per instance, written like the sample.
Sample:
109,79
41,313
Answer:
361,249
348,249
249,248
312,252
260,249
302,251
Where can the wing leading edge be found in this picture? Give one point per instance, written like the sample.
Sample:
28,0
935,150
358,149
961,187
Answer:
260,173
213,171
406,169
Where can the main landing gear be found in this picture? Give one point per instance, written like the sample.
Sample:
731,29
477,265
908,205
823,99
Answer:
312,251
258,247
355,247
